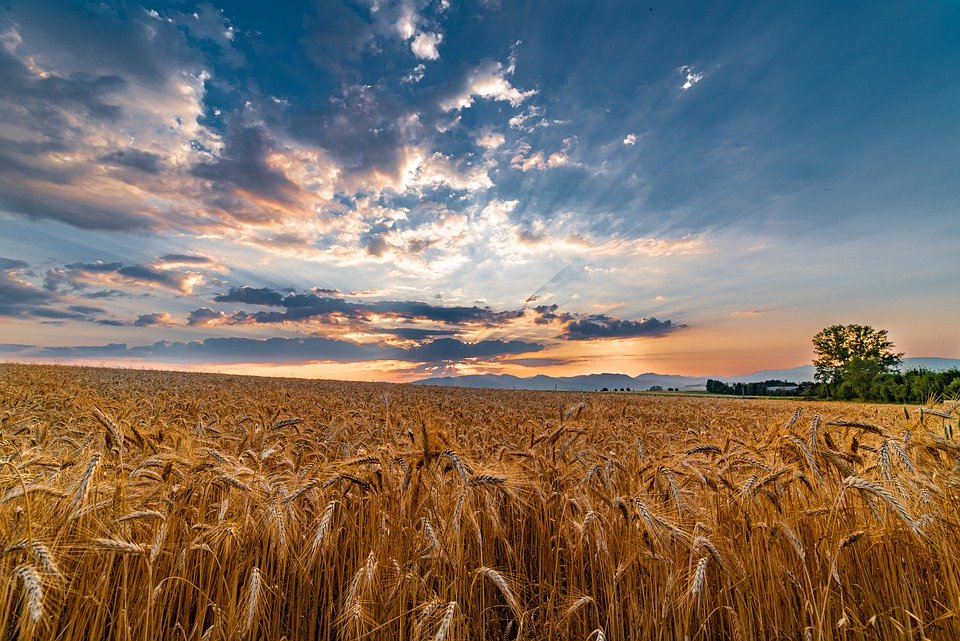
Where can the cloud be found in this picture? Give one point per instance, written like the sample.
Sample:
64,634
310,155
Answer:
81,275
290,350
630,140
594,326
100,116
526,160
531,119
600,326
491,140
180,261
450,349
246,184
424,46
8,264
17,296
690,77
251,296
487,81
205,316
156,318
415,75
307,306
145,161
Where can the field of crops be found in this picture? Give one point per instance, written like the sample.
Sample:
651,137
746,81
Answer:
149,505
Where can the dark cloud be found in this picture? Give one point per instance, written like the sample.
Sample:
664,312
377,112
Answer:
450,349
251,296
73,77
33,200
126,42
86,309
291,350
155,318
601,326
13,348
104,293
192,259
309,305
589,327
546,314
145,161
336,34
12,263
242,170
204,316
18,297
77,277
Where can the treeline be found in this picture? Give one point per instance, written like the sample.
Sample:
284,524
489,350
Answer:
913,386
764,388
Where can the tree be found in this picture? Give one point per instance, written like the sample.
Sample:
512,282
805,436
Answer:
849,358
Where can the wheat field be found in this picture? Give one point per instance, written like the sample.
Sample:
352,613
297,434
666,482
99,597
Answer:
156,505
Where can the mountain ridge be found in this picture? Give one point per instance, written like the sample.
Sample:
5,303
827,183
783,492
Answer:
646,380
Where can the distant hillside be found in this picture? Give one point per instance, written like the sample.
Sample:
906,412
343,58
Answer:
589,382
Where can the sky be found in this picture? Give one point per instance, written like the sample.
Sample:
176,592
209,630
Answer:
383,190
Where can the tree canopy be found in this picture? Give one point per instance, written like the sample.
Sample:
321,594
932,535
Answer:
853,356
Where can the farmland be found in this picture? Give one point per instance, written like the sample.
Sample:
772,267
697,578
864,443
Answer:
157,505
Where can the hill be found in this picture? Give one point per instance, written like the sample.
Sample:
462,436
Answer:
588,382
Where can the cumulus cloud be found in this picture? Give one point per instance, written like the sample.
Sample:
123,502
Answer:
630,140
491,140
597,326
425,45
601,326
156,318
488,81
525,159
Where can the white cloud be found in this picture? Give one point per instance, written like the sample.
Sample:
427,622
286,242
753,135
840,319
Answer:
416,75
487,81
532,118
691,77
524,160
424,46
491,140
630,140
407,25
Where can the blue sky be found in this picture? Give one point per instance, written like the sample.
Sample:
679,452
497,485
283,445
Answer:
401,189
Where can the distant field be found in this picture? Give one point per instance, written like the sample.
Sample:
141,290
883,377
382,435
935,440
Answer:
155,505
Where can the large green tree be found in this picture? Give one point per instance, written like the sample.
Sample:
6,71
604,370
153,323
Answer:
849,358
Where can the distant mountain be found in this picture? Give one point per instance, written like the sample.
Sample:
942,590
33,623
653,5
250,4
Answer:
589,382
585,382
793,374
930,363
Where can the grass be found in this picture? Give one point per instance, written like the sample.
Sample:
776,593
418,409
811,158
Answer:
157,505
